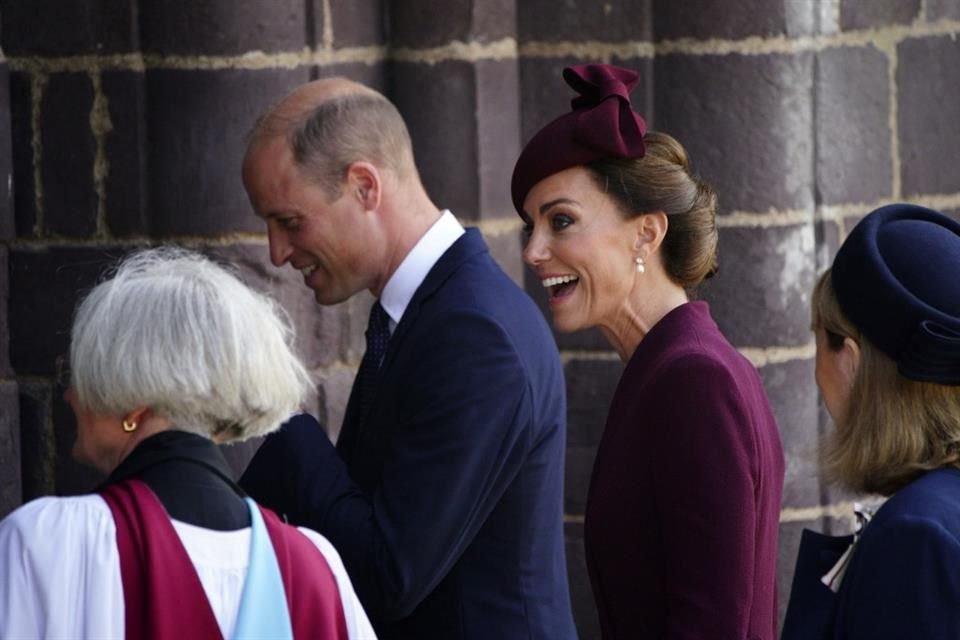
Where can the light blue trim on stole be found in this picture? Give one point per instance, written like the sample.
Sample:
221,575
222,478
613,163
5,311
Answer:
263,606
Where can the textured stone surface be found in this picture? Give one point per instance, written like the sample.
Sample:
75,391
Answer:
68,27
855,14
222,27
7,227
853,131
674,19
5,369
505,249
928,114
196,123
359,23
67,154
754,144
71,477
24,189
44,288
420,24
761,296
37,455
793,398
127,184
498,136
581,595
943,10
11,485
590,388
617,20
579,467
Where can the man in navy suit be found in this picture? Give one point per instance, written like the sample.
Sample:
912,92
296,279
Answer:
444,495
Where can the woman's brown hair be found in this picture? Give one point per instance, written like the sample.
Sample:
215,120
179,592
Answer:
895,428
661,181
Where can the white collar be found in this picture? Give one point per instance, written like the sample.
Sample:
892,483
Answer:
413,270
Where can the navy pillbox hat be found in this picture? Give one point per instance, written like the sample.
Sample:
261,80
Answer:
601,124
897,278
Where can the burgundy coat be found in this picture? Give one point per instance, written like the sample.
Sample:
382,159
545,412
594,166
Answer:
684,503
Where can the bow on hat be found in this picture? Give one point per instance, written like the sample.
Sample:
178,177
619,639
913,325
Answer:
605,120
601,125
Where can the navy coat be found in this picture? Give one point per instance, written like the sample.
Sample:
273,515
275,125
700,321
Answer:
446,503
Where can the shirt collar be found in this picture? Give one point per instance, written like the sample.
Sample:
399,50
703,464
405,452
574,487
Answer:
413,270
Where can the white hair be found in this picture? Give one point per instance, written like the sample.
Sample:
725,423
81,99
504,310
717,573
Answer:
173,331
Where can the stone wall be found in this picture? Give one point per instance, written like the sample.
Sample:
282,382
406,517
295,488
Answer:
127,123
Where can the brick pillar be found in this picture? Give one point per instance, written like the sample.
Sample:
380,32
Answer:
10,482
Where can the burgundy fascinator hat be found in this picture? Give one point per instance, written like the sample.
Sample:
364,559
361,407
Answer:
602,124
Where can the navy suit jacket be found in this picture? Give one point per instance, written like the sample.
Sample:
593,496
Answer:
446,502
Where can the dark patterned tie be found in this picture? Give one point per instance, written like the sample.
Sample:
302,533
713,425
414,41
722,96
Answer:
378,335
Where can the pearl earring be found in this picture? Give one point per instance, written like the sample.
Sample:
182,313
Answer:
641,267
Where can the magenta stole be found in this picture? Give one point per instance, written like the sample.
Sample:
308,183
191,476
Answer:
163,596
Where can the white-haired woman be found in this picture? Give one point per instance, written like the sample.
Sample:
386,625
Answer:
171,355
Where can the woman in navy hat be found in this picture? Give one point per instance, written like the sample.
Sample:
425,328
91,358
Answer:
683,507
887,322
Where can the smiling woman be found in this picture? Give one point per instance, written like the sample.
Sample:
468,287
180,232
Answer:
621,234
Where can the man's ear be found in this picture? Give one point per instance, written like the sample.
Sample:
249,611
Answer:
365,183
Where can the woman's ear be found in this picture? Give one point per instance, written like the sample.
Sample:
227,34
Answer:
651,229
850,358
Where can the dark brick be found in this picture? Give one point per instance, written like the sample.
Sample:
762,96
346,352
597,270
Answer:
196,123
11,485
37,455
855,14
373,75
827,240
614,21
928,114
44,288
71,477
223,27
7,225
359,23
498,136
581,593
673,19
5,369
590,388
943,10
545,96
127,183
67,155
793,398
761,297
24,190
68,27
853,132
745,122
505,249
439,103
579,468
421,24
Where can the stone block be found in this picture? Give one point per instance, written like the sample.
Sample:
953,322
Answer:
761,296
855,14
826,235
581,593
7,225
5,369
853,133
420,24
439,104
498,136
673,19
71,477
11,483
68,27
793,397
505,248
943,10
24,184
127,185
579,469
359,23
375,75
67,155
614,21
195,140
37,446
222,27
590,388
928,90
44,288
750,139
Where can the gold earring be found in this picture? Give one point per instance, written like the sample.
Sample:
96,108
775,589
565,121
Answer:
129,425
